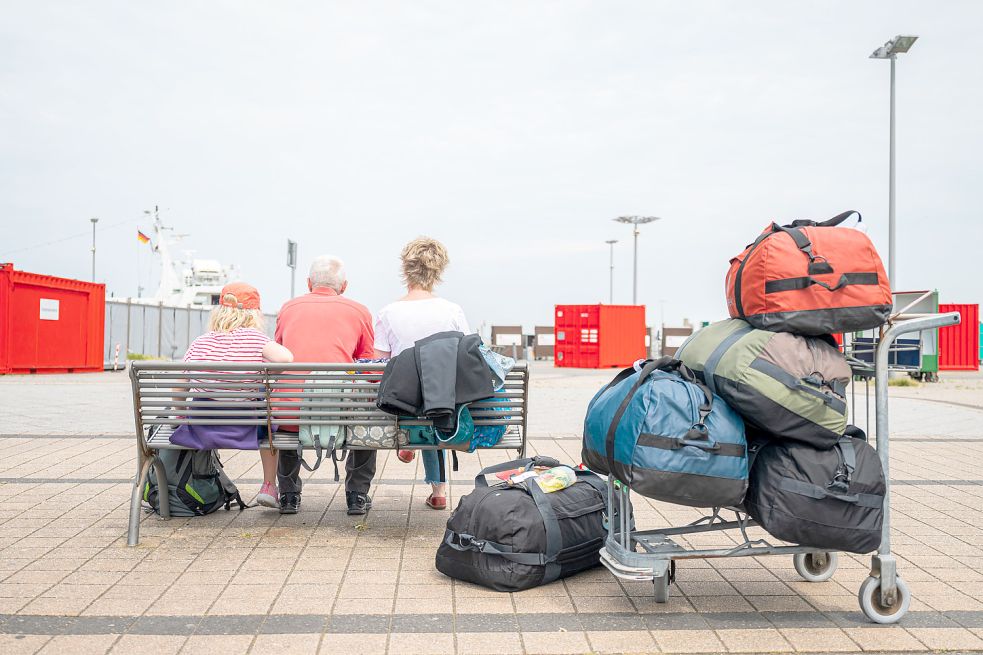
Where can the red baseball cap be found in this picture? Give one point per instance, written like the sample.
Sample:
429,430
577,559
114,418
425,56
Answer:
244,296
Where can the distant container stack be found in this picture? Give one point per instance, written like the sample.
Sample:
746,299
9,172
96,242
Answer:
50,324
598,336
958,344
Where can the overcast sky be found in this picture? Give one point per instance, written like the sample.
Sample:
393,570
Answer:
513,132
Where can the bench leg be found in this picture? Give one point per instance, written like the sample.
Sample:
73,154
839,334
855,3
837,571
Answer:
133,532
163,499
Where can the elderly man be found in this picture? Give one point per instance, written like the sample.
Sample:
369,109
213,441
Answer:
324,326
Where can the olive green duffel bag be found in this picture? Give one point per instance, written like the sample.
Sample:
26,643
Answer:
786,385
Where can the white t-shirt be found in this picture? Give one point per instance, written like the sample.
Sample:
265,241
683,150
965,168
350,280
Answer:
402,323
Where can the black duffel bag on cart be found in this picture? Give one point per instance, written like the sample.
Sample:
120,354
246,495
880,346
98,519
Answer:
827,499
510,538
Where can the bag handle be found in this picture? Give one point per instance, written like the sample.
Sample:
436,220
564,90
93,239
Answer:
832,222
817,263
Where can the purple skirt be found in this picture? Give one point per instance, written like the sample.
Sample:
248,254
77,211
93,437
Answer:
207,437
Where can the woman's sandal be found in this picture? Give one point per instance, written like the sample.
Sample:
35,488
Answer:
436,502
405,456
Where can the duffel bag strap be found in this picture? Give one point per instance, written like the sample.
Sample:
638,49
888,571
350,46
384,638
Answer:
832,222
689,376
710,366
818,493
650,367
817,263
554,540
800,283
848,457
839,218
465,542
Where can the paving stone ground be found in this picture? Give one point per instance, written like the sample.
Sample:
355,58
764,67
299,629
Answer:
320,581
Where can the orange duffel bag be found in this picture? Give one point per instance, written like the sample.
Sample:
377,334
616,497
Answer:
810,278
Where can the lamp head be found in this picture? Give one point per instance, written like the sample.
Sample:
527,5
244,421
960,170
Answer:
636,220
898,45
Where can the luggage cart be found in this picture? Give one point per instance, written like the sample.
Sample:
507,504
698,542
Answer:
651,555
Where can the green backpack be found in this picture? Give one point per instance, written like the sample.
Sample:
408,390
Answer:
196,483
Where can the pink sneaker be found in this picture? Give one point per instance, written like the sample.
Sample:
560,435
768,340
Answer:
268,496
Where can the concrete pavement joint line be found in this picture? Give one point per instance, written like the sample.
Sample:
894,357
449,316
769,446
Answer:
255,624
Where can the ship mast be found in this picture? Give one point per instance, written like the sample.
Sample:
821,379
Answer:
170,281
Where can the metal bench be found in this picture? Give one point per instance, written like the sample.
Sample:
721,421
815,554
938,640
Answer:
169,394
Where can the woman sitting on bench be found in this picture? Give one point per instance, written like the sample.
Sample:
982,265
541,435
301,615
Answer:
236,335
417,315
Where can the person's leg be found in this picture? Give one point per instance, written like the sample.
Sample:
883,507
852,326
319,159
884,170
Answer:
288,472
269,459
431,471
359,471
268,496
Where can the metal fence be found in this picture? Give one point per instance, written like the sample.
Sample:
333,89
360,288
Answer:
158,330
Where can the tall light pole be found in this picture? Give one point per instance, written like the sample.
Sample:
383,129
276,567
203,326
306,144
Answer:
611,243
890,50
94,221
292,263
635,221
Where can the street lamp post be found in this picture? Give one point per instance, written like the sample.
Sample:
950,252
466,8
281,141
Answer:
94,221
611,243
292,263
635,221
890,50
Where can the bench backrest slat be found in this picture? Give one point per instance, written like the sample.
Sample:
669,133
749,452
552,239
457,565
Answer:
219,393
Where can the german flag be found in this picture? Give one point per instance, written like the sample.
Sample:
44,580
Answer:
142,238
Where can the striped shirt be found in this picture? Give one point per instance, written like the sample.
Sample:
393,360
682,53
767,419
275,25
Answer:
243,345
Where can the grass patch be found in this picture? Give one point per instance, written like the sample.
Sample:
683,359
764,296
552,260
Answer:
142,357
902,382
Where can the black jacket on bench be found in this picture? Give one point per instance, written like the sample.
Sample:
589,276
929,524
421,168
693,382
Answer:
434,377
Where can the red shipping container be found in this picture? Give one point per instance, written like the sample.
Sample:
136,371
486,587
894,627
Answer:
598,336
959,344
50,324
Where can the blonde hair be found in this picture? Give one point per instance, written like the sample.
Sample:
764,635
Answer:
226,319
424,261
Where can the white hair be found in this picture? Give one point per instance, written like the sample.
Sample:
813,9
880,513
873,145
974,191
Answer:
327,271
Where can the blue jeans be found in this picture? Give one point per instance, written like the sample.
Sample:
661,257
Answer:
431,465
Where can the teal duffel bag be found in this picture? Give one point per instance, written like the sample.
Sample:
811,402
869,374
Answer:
664,434
428,435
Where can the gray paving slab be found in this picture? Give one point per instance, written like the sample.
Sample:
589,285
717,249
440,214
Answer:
65,570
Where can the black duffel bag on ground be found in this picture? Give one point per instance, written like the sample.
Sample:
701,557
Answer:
826,499
510,538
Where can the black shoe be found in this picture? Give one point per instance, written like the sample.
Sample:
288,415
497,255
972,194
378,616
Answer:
289,502
358,503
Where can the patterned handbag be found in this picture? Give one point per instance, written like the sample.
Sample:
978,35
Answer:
376,436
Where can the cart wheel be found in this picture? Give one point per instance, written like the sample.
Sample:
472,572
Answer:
662,584
870,601
816,567
662,589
